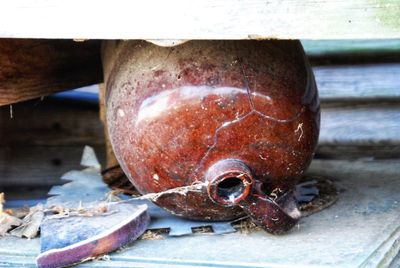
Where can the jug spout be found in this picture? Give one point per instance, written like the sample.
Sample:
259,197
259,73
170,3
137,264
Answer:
231,182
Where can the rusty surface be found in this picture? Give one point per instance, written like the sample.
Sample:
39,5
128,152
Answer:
174,112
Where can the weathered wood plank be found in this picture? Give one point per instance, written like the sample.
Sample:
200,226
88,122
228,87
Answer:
201,19
44,139
360,125
38,166
360,151
315,48
35,68
358,82
51,123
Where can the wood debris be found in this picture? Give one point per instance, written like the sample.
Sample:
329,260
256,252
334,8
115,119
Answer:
328,195
30,223
7,221
98,209
246,226
153,234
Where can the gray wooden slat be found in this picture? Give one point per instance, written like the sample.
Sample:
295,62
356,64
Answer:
50,123
361,125
335,47
43,140
39,165
362,82
201,19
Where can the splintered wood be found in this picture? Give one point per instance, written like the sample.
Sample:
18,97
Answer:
6,221
29,227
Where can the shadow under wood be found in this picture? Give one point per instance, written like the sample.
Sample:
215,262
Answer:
355,58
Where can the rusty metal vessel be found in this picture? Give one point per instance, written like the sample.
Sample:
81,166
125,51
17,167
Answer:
238,118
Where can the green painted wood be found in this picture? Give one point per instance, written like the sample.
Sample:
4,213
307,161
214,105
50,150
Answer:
328,47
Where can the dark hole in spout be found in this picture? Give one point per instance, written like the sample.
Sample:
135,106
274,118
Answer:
230,188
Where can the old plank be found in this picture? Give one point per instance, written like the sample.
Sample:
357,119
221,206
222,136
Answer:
360,125
358,82
39,165
50,123
314,48
354,151
35,68
202,19
44,139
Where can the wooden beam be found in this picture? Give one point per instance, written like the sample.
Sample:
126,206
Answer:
201,19
35,68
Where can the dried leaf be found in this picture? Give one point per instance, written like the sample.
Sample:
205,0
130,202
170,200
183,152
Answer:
19,213
7,222
31,223
96,209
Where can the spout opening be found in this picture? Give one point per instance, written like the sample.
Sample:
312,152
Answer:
230,182
230,188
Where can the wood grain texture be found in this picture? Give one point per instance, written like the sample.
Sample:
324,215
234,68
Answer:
38,166
358,125
201,19
315,48
45,139
358,82
50,123
35,68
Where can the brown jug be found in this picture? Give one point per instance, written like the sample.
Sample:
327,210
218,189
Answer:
238,118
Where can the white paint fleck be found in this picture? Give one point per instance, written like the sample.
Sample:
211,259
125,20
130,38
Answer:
225,124
299,128
155,176
121,113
